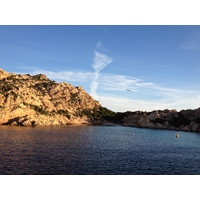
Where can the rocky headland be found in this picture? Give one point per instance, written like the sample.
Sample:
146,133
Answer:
27,100
185,120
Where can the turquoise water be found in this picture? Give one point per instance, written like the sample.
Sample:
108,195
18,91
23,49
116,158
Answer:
97,150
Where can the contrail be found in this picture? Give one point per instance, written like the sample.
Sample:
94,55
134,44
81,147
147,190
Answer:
100,62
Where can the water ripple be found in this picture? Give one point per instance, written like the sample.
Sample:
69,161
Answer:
78,150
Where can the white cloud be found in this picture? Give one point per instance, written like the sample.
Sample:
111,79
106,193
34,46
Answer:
94,86
146,96
149,96
100,62
121,82
120,104
99,45
105,81
67,75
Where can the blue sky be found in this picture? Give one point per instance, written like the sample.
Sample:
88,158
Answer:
159,65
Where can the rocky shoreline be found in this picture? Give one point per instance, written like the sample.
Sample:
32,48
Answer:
27,100
185,120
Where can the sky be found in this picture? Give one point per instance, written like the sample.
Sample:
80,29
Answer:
158,64
124,67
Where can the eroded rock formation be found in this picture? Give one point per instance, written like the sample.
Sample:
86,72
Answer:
185,120
35,100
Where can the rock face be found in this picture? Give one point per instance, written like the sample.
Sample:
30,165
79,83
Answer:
35,100
185,120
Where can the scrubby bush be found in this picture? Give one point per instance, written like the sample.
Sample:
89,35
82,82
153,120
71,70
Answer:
65,113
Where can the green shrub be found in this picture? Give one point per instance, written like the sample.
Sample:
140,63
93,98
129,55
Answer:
65,113
37,109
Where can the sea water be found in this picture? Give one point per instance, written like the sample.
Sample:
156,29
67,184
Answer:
98,150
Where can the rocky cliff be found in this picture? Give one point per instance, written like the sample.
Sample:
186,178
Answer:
35,100
27,100
185,120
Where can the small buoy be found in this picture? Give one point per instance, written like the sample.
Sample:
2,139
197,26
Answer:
177,135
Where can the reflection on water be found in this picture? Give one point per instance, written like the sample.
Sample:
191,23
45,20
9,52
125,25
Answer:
97,150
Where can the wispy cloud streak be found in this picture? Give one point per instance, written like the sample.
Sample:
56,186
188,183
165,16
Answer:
121,82
100,62
113,94
67,75
99,45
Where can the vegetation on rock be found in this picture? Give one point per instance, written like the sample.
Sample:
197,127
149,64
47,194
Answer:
27,100
36,98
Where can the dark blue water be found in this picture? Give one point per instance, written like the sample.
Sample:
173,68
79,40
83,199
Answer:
97,150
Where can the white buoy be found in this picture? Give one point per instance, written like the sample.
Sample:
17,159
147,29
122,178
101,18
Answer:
177,135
